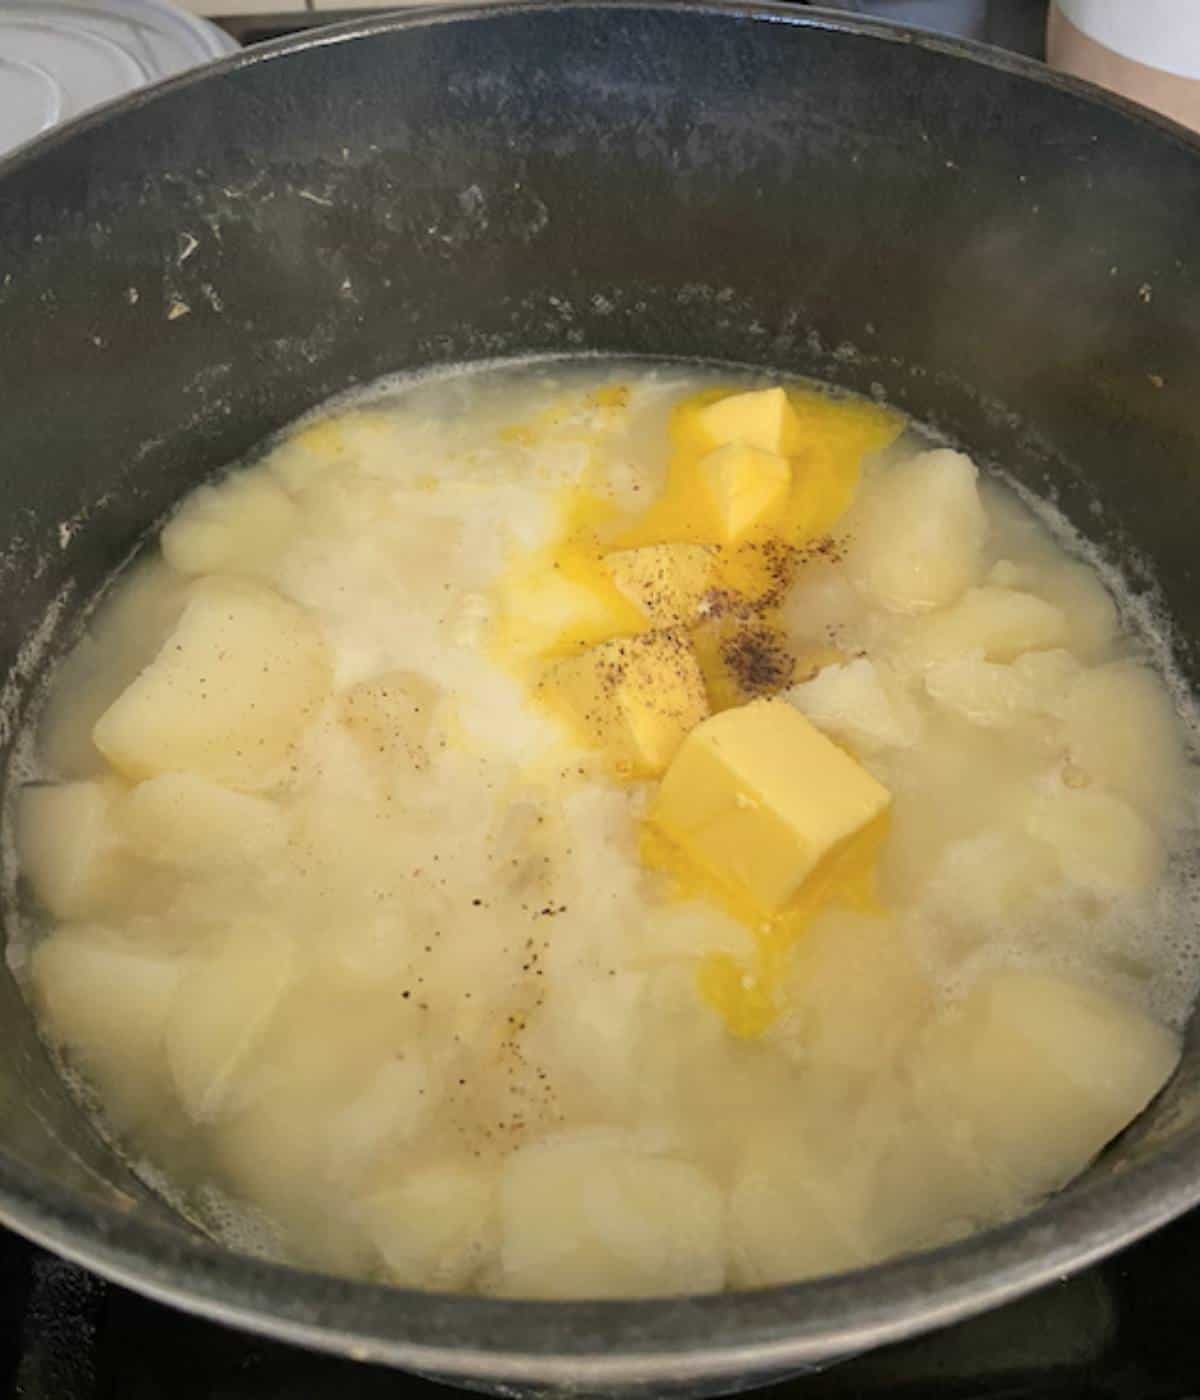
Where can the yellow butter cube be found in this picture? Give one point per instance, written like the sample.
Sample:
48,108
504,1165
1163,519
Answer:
745,486
635,698
666,581
762,418
758,796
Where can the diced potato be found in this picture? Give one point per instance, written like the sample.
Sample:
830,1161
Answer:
390,717
69,846
745,487
122,637
593,1035
666,581
1101,842
229,693
985,881
587,1216
918,544
996,623
106,1002
763,418
1075,590
1036,1073
437,1227
220,1009
1121,729
392,1108
757,796
344,442
238,527
853,994
855,704
635,698
185,821
998,696
799,1199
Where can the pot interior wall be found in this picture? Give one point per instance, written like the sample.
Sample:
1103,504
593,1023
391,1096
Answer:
1001,258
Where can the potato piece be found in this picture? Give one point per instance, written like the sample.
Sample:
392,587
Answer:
240,526
229,693
591,1031
1036,1073
1077,592
390,718
391,1109
437,1227
129,626
996,623
858,704
853,994
666,581
987,880
70,849
1121,729
800,1195
585,1215
220,1010
185,821
106,1002
634,698
1101,842
919,538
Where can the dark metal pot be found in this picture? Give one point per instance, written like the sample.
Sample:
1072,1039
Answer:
1010,255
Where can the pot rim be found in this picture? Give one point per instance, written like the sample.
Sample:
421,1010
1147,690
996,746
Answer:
630,1341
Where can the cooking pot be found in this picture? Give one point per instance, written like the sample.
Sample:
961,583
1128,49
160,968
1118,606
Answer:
1007,254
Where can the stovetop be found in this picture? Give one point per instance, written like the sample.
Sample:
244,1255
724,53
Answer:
1125,1330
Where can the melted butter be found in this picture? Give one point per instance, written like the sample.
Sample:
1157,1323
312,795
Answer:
748,995
559,599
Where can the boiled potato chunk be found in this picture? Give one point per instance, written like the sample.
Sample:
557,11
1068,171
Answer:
437,1227
107,1002
997,623
1121,729
390,717
997,696
858,704
1037,1072
1102,844
220,1011
634,698
587,1216
69,848
667,582
238,527
918,543
799,1202
185,821
228,695
392,1107
853,994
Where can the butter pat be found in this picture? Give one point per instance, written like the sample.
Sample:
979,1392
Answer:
758,796
762,418
666,581
745,486
636,698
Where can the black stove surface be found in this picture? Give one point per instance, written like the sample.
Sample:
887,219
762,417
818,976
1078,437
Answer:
1125,1330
